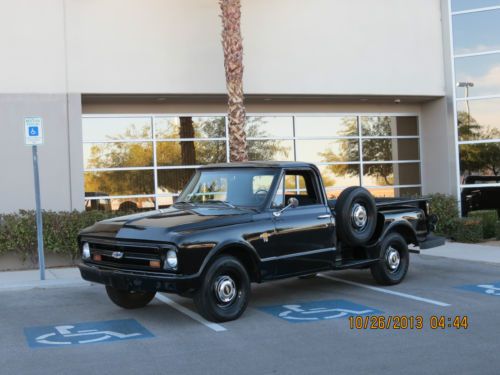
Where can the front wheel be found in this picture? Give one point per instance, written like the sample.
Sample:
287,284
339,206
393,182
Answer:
225,290
394,260
129,300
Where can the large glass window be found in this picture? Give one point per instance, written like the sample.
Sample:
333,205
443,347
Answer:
476,27
144,162
139,163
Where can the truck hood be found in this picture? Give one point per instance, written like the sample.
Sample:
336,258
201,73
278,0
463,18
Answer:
168,224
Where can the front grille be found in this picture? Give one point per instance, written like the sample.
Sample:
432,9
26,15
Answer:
135,256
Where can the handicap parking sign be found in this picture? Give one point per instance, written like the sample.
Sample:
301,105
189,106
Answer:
85,333
318,310
490,289
33,131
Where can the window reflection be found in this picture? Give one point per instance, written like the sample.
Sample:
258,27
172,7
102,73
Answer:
483,72
270,150
459,5
326,126
481,159
111,142
476,32
190,127
107,129
190,152
172,181
384,174
340,175
120,182
390,149
328,151
478,119
386,126
117,154
390,192
269,127
120,204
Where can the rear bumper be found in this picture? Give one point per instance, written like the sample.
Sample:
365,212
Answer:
137,280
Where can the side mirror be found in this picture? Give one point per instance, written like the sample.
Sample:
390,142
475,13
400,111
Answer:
292,203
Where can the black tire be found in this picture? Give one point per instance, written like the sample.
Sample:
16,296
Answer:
385,271
225,290
129,300
356,216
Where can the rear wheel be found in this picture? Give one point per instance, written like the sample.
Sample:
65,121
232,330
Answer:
394,260
225,290
129,300
356,216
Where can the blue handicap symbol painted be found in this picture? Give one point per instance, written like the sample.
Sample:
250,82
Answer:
85,333
318,310
490,289
33,131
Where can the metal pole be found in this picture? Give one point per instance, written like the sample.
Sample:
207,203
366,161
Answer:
39,222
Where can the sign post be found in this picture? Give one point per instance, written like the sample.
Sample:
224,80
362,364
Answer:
33,130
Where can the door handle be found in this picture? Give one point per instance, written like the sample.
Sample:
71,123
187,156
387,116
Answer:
327,216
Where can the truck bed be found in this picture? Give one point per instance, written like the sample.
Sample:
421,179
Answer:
391,202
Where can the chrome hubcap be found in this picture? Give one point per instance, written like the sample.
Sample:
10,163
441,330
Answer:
359,216
225,289
393,259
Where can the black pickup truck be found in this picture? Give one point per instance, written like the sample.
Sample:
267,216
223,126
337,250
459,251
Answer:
251,222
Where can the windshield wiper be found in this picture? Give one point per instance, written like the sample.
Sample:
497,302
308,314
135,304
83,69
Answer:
219,201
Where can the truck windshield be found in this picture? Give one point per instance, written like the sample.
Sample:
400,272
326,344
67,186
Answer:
239,187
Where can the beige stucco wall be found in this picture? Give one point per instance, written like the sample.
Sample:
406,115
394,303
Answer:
173,46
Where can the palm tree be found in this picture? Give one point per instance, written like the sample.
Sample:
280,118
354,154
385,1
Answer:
233,64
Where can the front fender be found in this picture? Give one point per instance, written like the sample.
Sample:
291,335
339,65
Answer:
241,249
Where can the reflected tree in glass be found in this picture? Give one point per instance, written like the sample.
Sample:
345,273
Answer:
373,149
480,158
265,149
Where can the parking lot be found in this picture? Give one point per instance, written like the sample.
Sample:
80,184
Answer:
293,326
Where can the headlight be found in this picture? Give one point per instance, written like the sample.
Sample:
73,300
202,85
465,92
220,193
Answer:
171,260
86,250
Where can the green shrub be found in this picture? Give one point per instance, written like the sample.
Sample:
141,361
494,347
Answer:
498,230
445,207
60,229
469,230
488,219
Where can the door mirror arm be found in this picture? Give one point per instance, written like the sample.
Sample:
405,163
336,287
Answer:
292,203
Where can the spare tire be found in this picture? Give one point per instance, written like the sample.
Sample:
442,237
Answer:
356,216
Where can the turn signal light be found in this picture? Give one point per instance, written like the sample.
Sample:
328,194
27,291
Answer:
97,257
154,264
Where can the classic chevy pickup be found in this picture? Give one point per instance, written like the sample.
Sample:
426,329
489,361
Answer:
251,222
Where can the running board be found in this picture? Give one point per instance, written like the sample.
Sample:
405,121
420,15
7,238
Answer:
356,263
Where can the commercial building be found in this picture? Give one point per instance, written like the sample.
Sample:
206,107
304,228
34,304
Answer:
399,96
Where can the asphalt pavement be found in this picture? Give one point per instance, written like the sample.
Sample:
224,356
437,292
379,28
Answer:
292,326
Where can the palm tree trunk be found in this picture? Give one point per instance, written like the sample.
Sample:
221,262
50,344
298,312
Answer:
233,64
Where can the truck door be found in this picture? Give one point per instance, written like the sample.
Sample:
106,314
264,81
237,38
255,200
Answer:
304,236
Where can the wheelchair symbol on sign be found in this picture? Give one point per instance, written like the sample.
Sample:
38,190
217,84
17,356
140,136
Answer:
65,336
490,289
295,312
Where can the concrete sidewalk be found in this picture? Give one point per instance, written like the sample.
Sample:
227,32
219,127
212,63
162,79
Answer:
54,278
464,251
70,277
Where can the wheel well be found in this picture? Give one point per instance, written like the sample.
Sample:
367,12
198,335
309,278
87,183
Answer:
245,257
405,231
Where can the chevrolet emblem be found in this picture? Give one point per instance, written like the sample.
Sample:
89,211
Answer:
117,254
265,236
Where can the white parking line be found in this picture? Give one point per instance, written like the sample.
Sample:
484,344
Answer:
213,326
387,291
